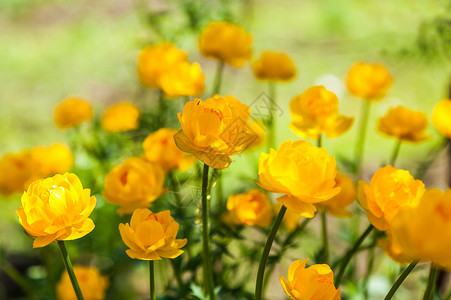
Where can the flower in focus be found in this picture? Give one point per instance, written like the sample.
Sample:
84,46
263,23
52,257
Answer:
337,206
56,209
301,171
390,191
441,117
183,79
72,112
92,284
54,159
404,124
250,209
215,129
313,283
368,81
134,184
274,66
290,220
226,42
393,250
315,112
151,236
17,170
120,117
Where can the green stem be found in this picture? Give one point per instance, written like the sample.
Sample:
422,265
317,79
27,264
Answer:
350,254
152,293
219,187
324,237
395,153
218,78
265,254
361,138
432,279
400,280
319,142
161,109
271,123
70,270
369,268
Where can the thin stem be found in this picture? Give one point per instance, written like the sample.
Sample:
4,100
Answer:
395,153
153,295
319,142
350,254
218,187
178,277
361,138
265,254
401,279
432,279
161,108
324,237
218,78
70,270
369,268
271,121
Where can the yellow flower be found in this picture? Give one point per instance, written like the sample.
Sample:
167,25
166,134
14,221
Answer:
368,81
17,170
301,171
313,283
56,209
251,209
160,148
120,117
53,159
134,184
92,284
393,250
258,129
215,129
389,191
337,206
315,112
404,124
441,117
227,42
155,60
274,66
290,219
151,236
183,79
72,112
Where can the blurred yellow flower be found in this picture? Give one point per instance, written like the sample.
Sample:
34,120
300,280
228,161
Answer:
301,171
151,236
250,209
72,112
183,79
56,209
390,191
215,129
17,170
313,283
291,219
393,250
227,42
404,124
134,184
53,159
92,284
368,81
274,66
315,112
338,205
258,129
160,148
441,117
120,117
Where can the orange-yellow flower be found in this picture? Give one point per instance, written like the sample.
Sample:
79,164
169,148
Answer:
215,129
17,170
134,184
183,79
226,42
56,209
313,283
274,66
251,209
258,129
72,112
315,112
338,205
301,171
390,191
368,81
151,236
92,284
404,124
53,159
120,117
393,250
291,219
441,117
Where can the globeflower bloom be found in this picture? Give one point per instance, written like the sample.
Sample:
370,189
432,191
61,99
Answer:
368,81
226,42
92,284
56,209
72,112
390,191
17,170
134,184
338,205
301,171
274,66
313,283
53,159
441,117
250,209
183,79
151,236
120,117
404,124
315,112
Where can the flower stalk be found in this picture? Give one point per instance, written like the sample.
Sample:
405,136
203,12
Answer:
270,121
361,137
70,270
432,279
152,280
400,280
395,153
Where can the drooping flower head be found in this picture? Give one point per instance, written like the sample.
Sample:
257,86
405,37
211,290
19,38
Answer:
274,66
338,205
183,79
368,81
120,117
93,284
441,117
72,112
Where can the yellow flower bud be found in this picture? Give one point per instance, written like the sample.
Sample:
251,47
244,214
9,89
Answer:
389,191
17,170
301,171
53,159
151,236
56,209
92,284
274,66
134,184
313,283
120,117
441,117
72,112
226,42
315,112
183,79
251,209
368,81
337,206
